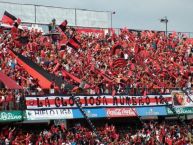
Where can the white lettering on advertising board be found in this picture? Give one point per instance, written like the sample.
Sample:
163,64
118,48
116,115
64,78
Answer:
49,114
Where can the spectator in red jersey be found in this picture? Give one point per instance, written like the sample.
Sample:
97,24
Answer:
10,100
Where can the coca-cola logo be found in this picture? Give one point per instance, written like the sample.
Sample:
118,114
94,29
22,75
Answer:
120,112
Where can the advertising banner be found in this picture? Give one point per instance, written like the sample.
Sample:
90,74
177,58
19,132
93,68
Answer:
6,116
91,113
180,110
149,117
151,111
121,112
90,31
48,114
180,99
58,102
189,117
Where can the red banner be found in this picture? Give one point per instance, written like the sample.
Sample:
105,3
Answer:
85,30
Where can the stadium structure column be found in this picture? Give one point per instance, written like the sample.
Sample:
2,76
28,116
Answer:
35,6
75,17
112,13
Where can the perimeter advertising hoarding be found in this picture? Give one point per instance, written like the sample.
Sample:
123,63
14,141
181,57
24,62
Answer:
92,101
91,113
121,112
149,117
175,117
189,117
6,116
151,111
53,114
48,114
180,110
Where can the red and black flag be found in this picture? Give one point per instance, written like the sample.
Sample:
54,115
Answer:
115,48
62,41
23,40
74,43
120,62
63,25
8,18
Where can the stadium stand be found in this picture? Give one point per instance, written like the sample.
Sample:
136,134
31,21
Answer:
68,61
150,133
103,64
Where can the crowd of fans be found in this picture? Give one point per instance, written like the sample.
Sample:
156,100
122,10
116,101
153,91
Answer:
150,133
11,100
130,62
9,65
102,63
106,63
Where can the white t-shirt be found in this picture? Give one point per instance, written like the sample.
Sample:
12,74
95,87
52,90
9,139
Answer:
2,98
126,56
18,98
7,141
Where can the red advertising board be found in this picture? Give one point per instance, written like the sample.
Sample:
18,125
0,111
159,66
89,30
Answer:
121,112
88,30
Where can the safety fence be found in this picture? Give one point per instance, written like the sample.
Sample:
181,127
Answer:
40,14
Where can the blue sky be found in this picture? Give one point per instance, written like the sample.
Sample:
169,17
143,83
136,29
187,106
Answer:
135,14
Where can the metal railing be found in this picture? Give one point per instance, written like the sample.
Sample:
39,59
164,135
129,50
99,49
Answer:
15,104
